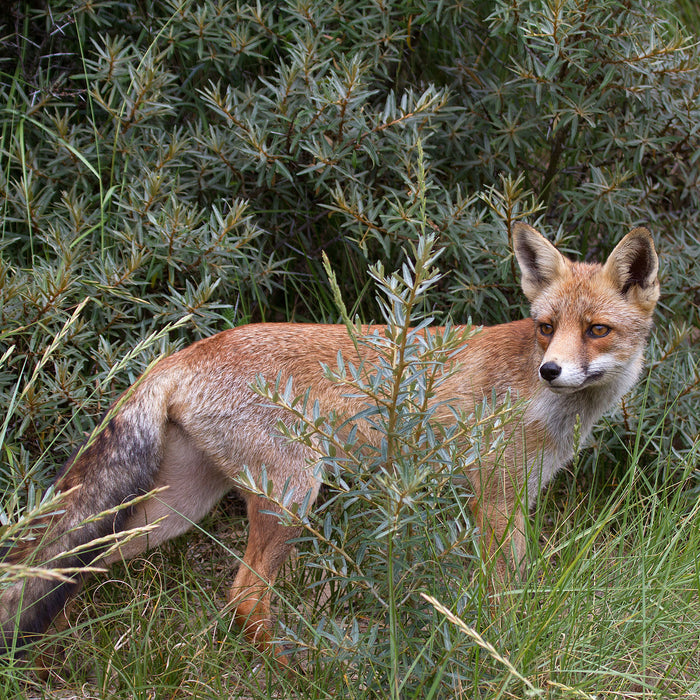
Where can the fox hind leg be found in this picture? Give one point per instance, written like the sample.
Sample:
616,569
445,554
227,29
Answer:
268,547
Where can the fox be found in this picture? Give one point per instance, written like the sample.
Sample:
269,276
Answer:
192,424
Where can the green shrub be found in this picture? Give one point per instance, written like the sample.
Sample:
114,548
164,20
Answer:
163,159
188,163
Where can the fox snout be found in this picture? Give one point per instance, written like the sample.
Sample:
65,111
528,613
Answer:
563,378
567,378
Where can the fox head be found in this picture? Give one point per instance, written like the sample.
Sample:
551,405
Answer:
591,320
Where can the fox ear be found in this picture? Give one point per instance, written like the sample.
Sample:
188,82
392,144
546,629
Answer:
540,262
633,267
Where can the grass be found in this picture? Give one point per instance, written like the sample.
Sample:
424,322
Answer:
610,609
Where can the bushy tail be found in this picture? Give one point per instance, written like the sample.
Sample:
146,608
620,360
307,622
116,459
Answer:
112,468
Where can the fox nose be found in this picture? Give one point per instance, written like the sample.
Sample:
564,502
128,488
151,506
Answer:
549,371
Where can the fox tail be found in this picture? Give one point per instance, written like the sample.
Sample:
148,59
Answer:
113,467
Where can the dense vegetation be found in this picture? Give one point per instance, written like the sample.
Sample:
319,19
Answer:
188,163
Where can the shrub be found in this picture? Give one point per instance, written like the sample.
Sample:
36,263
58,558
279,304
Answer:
187,164
164,159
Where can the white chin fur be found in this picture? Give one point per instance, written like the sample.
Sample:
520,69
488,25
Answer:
562,389
569,387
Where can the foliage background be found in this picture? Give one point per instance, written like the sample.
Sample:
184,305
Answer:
170,159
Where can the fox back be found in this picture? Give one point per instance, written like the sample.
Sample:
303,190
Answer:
193,424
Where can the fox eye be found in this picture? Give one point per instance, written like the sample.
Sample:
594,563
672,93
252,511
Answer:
599,330
546,328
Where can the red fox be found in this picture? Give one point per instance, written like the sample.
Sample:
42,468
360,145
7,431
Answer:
193,423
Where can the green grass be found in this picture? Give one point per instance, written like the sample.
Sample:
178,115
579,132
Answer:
611,609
